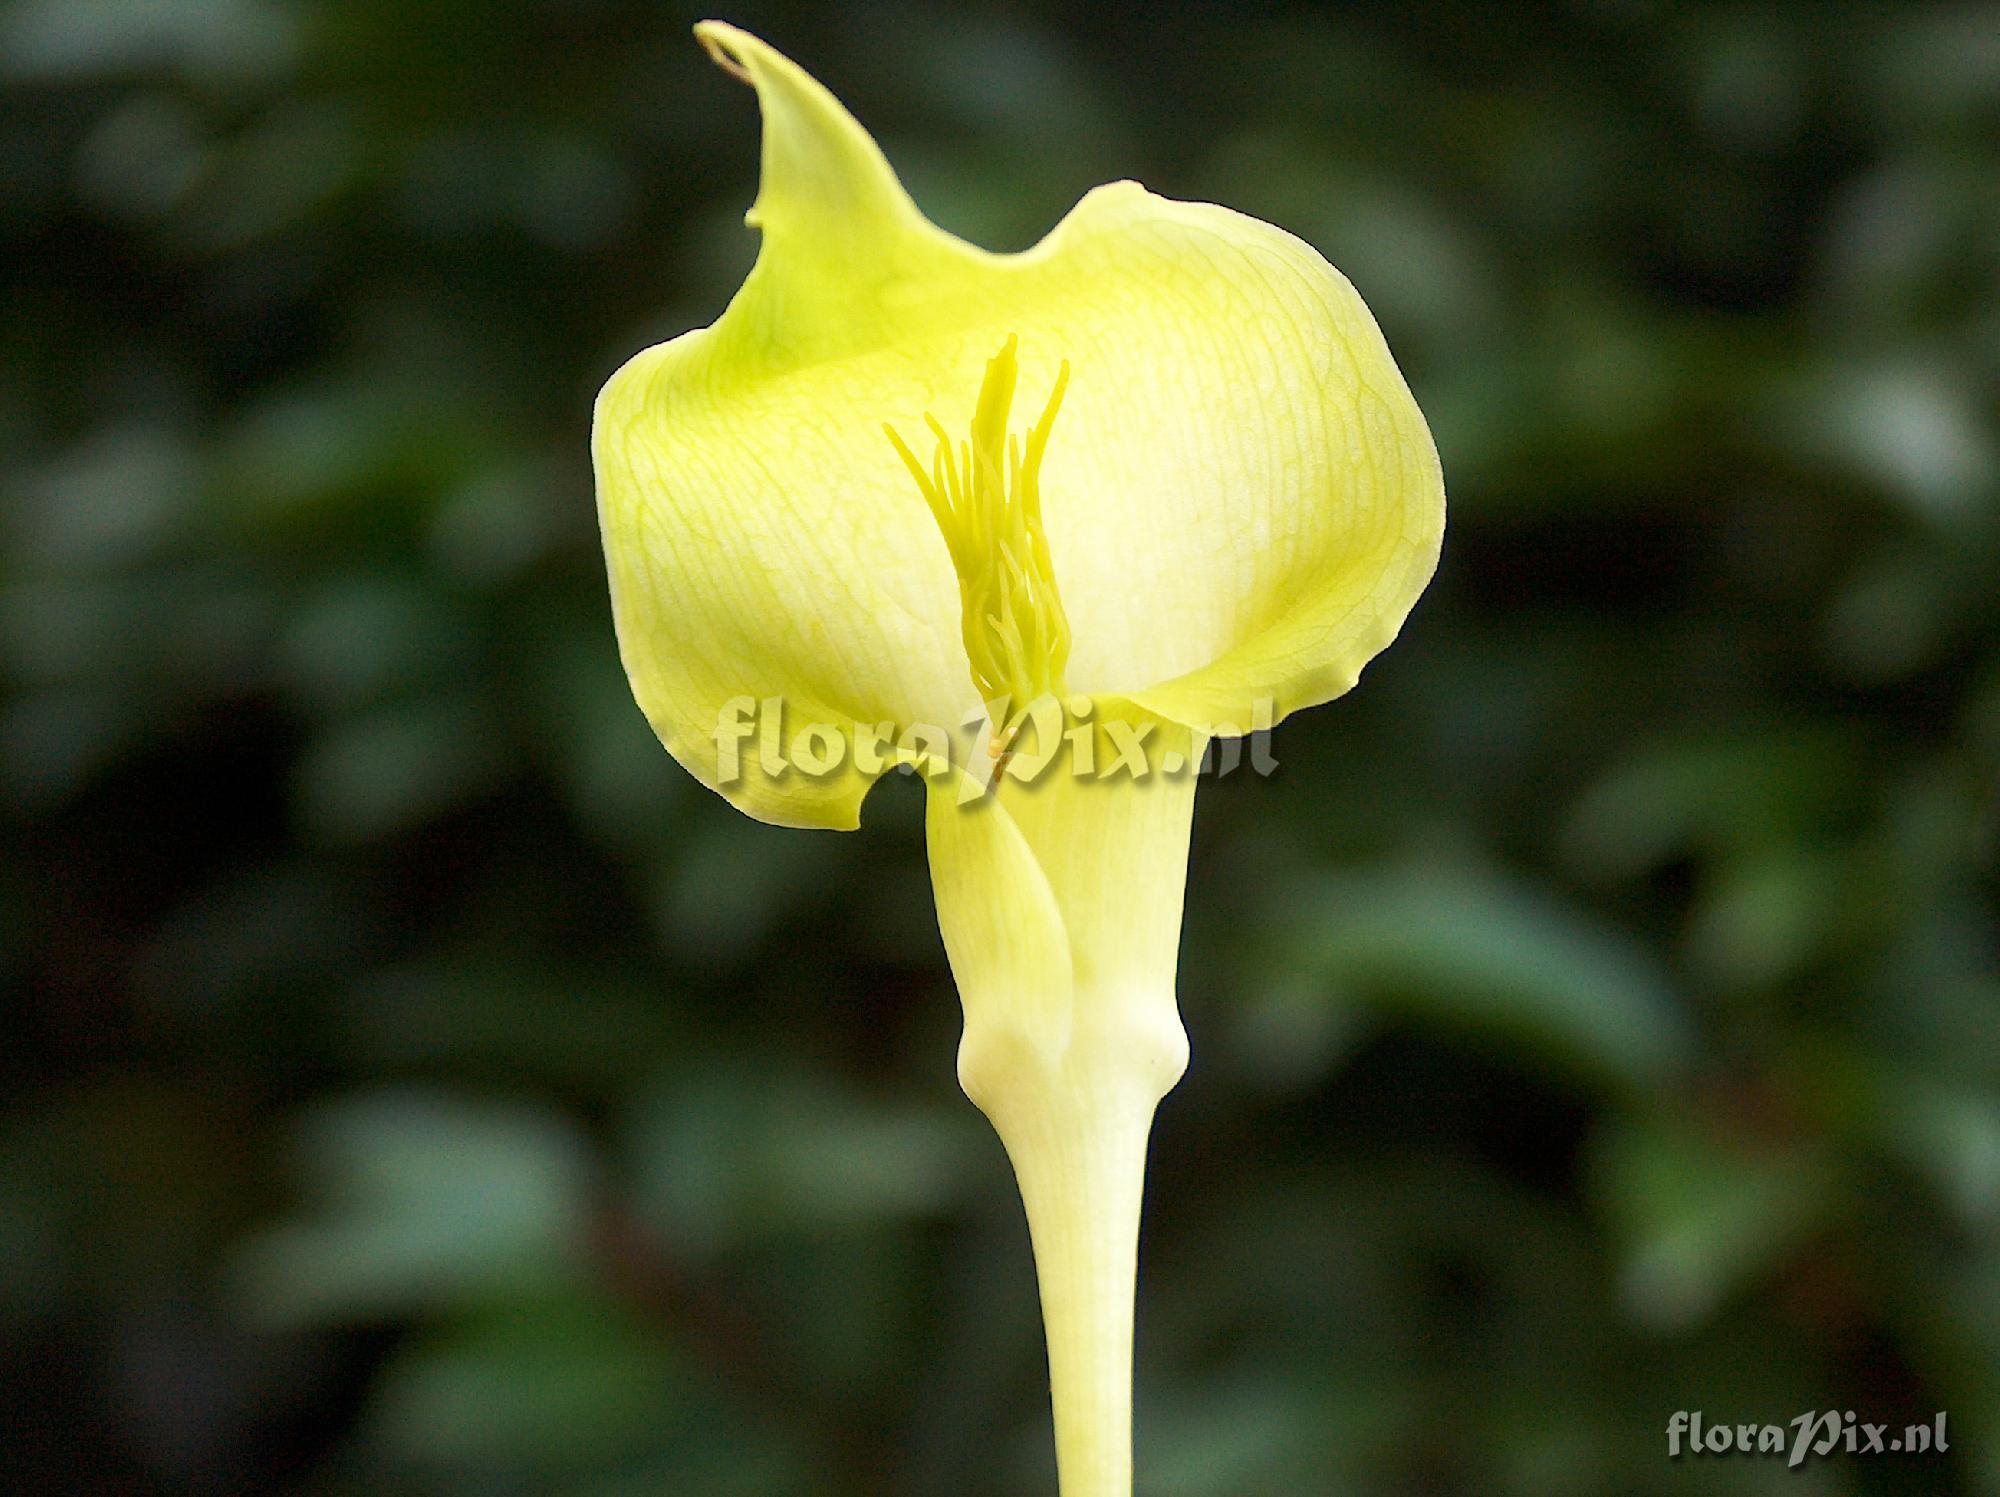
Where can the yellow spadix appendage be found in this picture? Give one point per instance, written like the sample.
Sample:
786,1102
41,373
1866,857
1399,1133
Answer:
986,497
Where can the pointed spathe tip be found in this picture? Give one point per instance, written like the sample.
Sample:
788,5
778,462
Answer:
825,183
728,46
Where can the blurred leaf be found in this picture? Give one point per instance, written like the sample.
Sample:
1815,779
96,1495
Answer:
1946,1132
1699,1216
357,639
382,772
612,771
540,1389
222,39
420,1201
1766,918
109,499
732,1154
1914,426
1474,953
1726,795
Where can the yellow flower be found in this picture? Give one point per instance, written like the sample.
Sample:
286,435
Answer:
832,549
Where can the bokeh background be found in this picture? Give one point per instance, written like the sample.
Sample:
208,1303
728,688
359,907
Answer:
414,1083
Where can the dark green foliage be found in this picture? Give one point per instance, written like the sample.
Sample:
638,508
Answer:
414,1083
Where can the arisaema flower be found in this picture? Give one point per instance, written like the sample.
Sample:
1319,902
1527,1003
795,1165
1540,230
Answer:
835,544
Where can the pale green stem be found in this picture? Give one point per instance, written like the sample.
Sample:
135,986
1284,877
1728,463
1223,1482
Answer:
1060,906
1081,1167
1075,1124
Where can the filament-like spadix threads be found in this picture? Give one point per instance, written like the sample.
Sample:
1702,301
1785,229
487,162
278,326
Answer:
986,498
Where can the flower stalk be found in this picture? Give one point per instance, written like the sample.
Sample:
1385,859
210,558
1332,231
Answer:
1242,504
1060,903
1080,1160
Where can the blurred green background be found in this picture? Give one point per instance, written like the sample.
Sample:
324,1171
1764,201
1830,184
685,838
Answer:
414,1083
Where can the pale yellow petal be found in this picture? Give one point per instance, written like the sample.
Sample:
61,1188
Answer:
1258,503
1240,498
750,554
